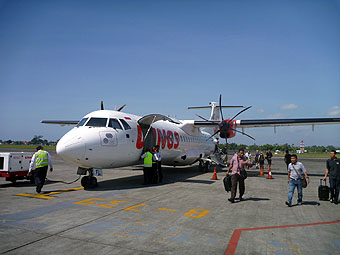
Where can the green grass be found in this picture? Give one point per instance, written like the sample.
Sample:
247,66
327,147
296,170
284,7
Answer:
25,146
307,155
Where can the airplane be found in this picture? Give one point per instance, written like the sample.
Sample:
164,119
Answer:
106,139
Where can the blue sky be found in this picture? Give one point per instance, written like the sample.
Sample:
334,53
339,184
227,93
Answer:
59,59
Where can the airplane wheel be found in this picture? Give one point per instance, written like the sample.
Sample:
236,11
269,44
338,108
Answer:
206,167
89,182
201,166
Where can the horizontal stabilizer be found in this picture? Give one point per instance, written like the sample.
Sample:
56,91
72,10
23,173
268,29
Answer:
217,106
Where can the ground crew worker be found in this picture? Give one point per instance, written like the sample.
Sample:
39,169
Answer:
158,156
147,156
42,160
333,171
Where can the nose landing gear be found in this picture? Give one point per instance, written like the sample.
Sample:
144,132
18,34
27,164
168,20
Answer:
88,182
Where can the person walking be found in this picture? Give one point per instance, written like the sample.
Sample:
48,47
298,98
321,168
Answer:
148,158
237,164
295,172
269,156
158,156
287,158
41,159
333,171
261,160
257,155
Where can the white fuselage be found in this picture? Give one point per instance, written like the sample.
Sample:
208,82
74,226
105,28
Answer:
107,144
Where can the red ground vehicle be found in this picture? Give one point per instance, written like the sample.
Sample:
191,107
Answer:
14,165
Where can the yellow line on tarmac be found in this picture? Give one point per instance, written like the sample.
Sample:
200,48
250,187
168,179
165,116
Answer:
47,195
164,209
61,191
36,196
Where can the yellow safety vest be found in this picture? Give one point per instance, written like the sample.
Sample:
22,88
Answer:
41,158
148,159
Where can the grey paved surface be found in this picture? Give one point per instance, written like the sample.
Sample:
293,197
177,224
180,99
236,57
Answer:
188,214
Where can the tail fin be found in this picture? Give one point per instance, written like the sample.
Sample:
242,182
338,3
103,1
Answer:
215,109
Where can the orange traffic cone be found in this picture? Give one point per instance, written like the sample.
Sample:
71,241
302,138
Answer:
261,171
269,174
214,177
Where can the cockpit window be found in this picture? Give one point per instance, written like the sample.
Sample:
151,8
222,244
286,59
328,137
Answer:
97,122
125,124
82,122
115,124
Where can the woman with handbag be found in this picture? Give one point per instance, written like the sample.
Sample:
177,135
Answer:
296,174
238,174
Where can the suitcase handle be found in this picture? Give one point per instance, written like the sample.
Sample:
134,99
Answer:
322,180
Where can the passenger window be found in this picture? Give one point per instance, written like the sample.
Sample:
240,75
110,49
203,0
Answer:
125,124
113,123
82,122
97,122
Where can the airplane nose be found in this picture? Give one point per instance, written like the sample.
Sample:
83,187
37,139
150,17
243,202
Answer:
71,149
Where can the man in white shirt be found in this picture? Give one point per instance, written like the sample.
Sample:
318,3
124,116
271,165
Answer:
296,170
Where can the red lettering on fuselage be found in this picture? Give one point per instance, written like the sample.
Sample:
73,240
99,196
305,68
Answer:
140,140
163,137
159,137
177,140
170,139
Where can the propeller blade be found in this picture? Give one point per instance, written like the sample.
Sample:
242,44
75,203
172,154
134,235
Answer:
121,108
214,134
243,133
101,105
221,107
239,113
201,117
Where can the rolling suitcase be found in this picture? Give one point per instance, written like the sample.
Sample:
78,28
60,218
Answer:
227,183
323,191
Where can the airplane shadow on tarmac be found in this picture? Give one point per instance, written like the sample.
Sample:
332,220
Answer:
170,175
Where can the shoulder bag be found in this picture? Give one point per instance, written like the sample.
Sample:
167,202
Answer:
303,178
243,172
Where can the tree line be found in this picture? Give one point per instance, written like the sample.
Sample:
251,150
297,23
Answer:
36,140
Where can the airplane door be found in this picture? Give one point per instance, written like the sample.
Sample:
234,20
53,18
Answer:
150,139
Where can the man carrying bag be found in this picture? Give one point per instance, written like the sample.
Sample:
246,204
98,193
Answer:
238,174
296,174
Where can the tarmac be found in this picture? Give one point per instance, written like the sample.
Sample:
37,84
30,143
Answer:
187,214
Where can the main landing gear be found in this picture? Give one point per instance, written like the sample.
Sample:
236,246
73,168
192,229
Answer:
88,182
204,166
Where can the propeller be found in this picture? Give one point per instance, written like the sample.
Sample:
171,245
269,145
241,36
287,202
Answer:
226,125
201,117
121,108
102,106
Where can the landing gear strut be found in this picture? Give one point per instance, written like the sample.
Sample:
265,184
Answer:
89,182
204,166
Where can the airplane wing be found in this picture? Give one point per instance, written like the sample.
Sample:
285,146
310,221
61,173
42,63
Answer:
272,122
60,122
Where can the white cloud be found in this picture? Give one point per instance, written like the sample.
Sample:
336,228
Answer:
289,107
276,116
334,111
